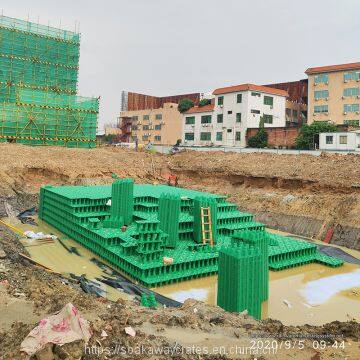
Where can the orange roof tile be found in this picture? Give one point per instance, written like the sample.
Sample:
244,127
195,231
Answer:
251,87
329,68
198,109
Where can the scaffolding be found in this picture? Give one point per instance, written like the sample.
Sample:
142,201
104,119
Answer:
38,86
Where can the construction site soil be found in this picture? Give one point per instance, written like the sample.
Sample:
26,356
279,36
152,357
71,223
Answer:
315,192
193,331
300,194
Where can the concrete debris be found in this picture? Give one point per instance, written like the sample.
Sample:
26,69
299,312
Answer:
288,198
130,331
103,334
2,254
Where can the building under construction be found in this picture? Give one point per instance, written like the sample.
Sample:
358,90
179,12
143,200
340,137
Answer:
38,87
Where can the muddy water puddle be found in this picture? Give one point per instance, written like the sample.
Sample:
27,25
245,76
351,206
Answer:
311,294
53,255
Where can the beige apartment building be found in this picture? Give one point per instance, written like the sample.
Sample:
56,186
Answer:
334,94
159,126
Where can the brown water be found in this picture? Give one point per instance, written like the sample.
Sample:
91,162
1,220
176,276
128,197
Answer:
310,294
55,257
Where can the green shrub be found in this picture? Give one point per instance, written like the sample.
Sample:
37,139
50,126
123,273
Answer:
185,105
306,138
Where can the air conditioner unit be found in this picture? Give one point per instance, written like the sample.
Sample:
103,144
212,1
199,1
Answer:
326,114
358,80
162,122
358,112
271,107
316,99
345,113
221,106
326,99
314,114
139,123
345,81
327,83
343,97
192,126
358,96
315,83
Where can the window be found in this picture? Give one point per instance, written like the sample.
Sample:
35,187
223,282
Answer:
351,107
190,120
134,127
229,130
146,127
220,100
145,117
157,127
343,139
238,136
255,94
295,114
238,117
268,119
145,137
268,100
321,78
253,111
135,118
352,122
158,116
220,118
205,136
351,92
157,138
329,139
321,109
288,112
189,136
321,94
229,112
206,119
219,136
351,76
239,98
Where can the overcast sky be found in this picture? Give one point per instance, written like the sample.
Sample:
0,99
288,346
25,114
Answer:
168,47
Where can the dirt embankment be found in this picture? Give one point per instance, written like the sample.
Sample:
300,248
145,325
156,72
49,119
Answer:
193,331
303,194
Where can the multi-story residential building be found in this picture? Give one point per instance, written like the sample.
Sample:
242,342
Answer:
296,102
334,94
159,126
234,110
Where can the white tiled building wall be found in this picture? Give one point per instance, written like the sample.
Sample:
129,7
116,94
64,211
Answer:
231,132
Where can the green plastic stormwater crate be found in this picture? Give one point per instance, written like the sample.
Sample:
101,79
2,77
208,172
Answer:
82,213
169,216
239,279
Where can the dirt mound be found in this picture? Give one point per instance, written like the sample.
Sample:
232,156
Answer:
291,192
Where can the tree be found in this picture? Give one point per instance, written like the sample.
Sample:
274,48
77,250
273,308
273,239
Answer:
204,102
260,139
110,138
306,138
185,105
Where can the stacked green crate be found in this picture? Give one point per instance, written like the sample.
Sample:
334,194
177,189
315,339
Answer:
38,84
169,216
82,213
259,240
204,202
239,279
122,201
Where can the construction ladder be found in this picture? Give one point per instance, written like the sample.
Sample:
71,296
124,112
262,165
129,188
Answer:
206,226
